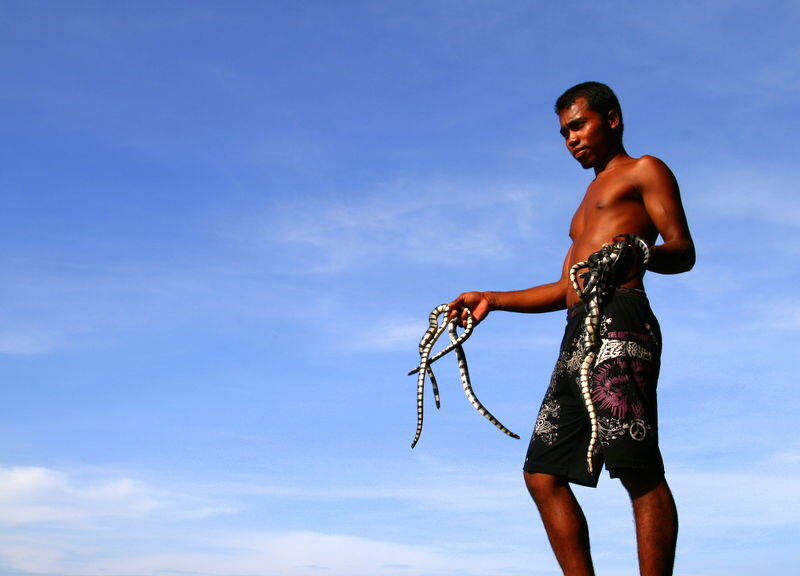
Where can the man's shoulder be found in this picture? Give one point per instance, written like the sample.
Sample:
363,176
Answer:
648,171
641,168
649,163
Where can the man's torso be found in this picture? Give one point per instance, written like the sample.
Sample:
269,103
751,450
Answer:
613,205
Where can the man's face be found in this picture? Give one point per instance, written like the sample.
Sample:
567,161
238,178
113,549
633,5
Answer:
586,132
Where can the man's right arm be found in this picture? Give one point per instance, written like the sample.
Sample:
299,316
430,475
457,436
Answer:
542,298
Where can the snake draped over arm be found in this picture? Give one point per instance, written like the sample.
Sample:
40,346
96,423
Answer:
604,271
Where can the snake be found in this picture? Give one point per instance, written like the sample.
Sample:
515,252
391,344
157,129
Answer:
432,334
603,269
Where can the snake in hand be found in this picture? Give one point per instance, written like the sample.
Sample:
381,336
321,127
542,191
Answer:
432,334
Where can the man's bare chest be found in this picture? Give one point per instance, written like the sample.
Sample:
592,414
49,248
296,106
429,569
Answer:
606,201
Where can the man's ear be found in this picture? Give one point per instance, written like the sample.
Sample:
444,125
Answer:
613,119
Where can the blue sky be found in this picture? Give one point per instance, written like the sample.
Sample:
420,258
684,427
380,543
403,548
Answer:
224,225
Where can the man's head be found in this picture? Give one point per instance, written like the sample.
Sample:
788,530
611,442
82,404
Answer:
591,123
600,98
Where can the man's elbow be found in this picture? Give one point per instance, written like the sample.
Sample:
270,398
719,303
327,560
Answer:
690,258
674,257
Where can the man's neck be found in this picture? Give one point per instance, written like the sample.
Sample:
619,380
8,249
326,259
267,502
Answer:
615,155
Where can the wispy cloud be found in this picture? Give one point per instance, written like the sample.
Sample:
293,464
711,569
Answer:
44,496
29,340
270,257
737,500
41,495
402,332
67,305
409,222
759,195
789,457
779,76
481,493
390,332
61,522
291,553
51,307
33,499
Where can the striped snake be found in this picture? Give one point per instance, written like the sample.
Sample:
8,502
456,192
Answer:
603,271
425,344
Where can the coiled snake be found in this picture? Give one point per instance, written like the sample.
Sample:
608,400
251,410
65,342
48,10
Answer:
425,344
604,271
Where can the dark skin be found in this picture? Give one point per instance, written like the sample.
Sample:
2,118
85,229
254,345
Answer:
628,195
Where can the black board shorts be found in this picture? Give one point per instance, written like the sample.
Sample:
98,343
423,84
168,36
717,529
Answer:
623,389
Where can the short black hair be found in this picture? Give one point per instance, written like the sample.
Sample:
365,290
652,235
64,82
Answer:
599,96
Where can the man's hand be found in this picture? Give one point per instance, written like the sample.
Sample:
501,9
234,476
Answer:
476,302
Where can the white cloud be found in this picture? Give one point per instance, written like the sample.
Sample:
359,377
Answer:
390,332
480,492
779,314
409,222
28,340
66,305
396,332
737,500
31,495
51,307
295,553
57,522
759,195
787,457
44,496
779,77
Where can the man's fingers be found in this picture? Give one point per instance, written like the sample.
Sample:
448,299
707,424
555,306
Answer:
466,305
455,308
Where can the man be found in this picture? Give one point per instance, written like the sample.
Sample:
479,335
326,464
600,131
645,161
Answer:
637,196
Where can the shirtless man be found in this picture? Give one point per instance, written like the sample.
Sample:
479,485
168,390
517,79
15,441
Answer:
636,196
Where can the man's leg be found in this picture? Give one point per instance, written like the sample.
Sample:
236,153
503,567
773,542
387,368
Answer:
564,522
656,521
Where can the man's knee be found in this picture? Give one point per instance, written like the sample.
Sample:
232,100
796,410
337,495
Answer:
543,487
642,482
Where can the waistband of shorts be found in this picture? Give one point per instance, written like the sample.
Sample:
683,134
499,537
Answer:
580,306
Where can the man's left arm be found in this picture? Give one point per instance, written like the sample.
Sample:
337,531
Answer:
662,200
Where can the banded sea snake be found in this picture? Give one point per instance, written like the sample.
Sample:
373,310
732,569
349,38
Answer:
425,344
603,271
602,275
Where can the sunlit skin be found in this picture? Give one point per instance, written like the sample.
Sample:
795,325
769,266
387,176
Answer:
628,195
